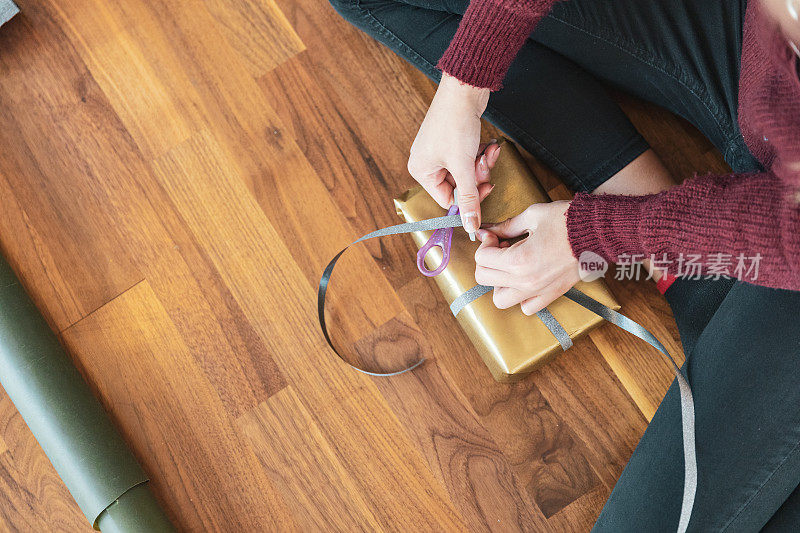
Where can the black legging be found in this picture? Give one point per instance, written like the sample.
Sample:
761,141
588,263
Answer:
742,341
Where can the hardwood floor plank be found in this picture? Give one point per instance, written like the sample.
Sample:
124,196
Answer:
158,109
645,373
303,466
98,210
201,469
16,512
351,163
32,495
545,454
240,116
579,516
370,104
30,256
460,451
582,388
45,89
212,198
258,30
312,228
381,92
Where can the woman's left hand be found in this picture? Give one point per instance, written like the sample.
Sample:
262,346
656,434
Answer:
534,271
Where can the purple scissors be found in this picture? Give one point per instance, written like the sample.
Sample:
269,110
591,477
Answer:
442,238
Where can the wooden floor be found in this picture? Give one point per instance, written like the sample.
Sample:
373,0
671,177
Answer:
173,178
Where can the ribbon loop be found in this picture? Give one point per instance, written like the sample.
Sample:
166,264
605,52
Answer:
451,221
618,319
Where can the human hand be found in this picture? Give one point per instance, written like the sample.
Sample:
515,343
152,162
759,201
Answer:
534,271
443,155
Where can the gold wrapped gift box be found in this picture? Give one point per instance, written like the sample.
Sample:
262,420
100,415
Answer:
510,343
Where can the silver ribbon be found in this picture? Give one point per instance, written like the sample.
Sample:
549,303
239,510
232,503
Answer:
687,401
544,315
618,319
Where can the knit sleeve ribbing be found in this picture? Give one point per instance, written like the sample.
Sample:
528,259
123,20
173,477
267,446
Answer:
735,215
488,38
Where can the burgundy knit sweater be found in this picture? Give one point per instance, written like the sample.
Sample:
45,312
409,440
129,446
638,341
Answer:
753,218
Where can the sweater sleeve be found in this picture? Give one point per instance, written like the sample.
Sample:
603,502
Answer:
750,216
488,38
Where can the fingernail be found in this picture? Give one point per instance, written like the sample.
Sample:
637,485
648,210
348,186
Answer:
482,165
471,222
481,233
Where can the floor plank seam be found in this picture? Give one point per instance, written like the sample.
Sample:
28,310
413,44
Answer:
93,311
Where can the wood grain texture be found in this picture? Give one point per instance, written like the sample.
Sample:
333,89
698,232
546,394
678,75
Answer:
258,30
37,499
45,86
460,451
297,456
173,178
172,412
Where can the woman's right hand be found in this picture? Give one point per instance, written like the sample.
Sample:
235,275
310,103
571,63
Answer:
446,152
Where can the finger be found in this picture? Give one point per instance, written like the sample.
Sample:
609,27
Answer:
468,199
434,182
492,154
505,297
484,189
483,146
482,169
486,159
489,254
441,192
511,227
531,306
490,248
487,238
544,298
492,277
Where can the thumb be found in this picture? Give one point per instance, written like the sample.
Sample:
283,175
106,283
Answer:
512,227
469,204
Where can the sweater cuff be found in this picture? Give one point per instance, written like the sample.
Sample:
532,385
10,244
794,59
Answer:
608,225
488,38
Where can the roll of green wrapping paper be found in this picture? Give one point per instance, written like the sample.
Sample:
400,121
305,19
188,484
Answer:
71,426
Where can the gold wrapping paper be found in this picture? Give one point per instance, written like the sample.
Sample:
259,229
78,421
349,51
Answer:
510,343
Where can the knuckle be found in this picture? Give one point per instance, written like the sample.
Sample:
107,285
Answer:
532,212
467,196
413,166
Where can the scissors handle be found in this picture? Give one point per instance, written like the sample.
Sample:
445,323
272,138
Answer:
442,238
